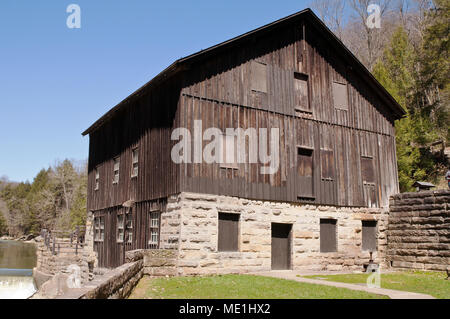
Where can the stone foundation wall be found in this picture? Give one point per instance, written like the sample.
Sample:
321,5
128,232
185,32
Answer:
160,262
419,230
197,234
170,224
52,264
116,284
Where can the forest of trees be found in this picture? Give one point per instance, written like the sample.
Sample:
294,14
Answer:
56,199
408,55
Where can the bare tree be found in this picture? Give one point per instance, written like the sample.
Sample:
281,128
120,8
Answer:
373,38
331,13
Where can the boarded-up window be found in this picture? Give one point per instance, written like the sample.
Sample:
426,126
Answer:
369,235
229,152
134,162
259,77
116,170
328,235
154,222
301,92
228,232
97,179
367,170
304,183
327,164
340,95
305,162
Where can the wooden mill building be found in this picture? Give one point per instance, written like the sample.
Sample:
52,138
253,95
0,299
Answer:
323,208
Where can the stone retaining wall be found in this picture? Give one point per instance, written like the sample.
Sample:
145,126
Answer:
160,262
419,230
117,283
197,215
66,255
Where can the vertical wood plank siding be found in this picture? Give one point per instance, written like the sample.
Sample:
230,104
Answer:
110,251
146,124
220,93
219,90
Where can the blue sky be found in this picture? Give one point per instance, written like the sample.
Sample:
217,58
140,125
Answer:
56,81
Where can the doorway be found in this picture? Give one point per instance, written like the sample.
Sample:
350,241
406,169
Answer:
281,246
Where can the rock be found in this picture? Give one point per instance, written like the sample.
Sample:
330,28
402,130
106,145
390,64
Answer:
29,237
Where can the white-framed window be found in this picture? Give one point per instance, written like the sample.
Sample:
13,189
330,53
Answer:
155,218
97,179
99,229
120,228
134,162
116,170
129,226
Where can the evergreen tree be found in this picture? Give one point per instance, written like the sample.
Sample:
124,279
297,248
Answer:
396,72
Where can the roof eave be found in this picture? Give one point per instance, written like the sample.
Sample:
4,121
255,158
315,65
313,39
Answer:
398,111
165,74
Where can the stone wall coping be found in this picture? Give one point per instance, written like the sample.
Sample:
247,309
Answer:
439,192
108,284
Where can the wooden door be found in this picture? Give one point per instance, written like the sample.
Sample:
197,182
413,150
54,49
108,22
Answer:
281,246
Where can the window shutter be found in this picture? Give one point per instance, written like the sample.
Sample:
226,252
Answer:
328,235
259,77
369,235
228,232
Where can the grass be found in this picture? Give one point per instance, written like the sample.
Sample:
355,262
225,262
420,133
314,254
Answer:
430,283
239,287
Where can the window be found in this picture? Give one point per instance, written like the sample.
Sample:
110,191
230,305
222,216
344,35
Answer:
327,164
258,77
305,162
120,228
230,158
367,170
97,179
305,182
301,92
129,227
340,95
328,235
134,162
155,218
228,232
116,170
369,235
99,229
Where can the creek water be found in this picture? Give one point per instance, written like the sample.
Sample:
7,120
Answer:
17,260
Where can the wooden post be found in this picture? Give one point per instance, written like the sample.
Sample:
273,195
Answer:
76,245
53,246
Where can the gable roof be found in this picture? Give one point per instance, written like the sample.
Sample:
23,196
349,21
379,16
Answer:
180,64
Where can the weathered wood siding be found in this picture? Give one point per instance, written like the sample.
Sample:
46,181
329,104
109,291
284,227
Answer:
146,124
282,77
111,253
219,91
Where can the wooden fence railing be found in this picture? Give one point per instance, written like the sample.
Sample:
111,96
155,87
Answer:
54,239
